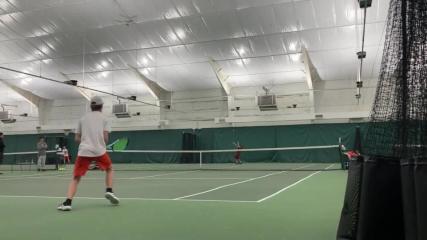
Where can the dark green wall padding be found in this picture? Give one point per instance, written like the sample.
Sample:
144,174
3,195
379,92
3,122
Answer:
219,138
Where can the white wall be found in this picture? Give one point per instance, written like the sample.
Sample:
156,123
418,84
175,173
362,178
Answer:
339,96
335,100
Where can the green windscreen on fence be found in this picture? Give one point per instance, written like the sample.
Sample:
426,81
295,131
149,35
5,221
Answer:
216,139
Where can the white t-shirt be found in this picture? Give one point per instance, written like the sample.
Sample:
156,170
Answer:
92,127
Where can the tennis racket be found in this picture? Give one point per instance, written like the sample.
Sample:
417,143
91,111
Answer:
120,144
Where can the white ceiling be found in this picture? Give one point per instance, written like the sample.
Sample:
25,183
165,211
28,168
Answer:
255,41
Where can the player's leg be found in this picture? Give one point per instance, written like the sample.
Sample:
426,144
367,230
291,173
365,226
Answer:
109,174
39,163
80,168
62,162
72,187
43,162
109,194
238,158
104,163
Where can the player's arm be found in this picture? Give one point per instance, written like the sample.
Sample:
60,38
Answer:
78,135
78,138
106,137
107,130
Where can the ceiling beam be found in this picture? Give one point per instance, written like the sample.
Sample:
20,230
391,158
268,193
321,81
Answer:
44,105
155,89
311,75
85,94
221,76
163,96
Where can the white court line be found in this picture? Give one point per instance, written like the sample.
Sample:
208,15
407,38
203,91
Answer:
35,177
60,175
232,184
151,178
183,178
31,175
215,200
292,185
164,174
132,198
228,185
330,166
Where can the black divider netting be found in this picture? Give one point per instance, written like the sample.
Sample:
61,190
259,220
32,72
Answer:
390,197
398,124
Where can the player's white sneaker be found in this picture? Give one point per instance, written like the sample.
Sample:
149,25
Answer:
112,198
63,207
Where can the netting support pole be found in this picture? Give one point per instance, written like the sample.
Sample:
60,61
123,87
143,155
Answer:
200,158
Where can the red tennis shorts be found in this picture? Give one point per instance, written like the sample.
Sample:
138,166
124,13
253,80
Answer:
82,164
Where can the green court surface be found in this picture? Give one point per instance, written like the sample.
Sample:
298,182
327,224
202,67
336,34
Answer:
162,205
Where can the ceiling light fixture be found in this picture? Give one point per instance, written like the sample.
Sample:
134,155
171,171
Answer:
173,36
181,33
105,74
47,61
350,14
241,51
295,57
292,46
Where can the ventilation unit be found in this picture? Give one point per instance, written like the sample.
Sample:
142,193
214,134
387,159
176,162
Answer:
163,123
7,121
365,3
267,103
219,120
121,110
5,117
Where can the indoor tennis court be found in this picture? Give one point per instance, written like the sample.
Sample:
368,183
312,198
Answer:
213,119
194,204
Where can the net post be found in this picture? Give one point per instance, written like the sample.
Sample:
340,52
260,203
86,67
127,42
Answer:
340,152
200,159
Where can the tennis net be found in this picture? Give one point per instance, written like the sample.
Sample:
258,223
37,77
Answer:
307,158
27,161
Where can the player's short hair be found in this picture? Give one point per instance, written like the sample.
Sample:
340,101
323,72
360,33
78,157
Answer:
96,107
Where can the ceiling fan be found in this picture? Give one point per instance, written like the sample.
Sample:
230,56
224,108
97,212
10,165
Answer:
125,18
